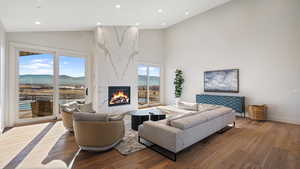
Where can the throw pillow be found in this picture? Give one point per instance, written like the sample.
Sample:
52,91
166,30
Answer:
88,108
70,107
188,106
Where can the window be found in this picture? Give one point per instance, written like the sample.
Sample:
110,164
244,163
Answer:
72,82
36,85
148,85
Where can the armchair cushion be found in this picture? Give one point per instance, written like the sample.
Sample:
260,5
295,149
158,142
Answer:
83,116
117,117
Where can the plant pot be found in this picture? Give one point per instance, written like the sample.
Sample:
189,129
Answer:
177,100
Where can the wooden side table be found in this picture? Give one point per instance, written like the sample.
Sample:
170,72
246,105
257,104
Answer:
258,112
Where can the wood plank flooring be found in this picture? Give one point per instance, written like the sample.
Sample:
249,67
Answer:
250,145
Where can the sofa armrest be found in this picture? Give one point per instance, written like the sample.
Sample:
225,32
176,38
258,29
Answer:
168,137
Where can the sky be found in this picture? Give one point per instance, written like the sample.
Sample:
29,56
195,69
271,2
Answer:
72,66
153,71
43,65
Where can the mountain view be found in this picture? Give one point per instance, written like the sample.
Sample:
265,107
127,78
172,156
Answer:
68,80
153,92
153,80
48,79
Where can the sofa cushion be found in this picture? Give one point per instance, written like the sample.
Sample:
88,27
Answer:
187,106
212,114
206,107
82,116
161,134
178,116
189,121
174,110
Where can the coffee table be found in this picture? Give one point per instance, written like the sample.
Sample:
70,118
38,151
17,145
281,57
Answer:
139,116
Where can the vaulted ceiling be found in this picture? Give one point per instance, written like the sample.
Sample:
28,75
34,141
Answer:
55,15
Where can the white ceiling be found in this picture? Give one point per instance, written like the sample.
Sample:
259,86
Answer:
56,15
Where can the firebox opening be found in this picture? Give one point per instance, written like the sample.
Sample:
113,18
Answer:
118,95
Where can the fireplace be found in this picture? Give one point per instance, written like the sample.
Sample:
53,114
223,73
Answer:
118,95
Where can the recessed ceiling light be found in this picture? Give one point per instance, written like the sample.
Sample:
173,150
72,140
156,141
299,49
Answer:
187,13
137,24
37,22
98,23
118,6
159,10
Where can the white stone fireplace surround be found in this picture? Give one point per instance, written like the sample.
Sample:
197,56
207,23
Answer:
115,65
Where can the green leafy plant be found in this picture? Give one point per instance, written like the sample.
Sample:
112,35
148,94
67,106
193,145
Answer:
178,82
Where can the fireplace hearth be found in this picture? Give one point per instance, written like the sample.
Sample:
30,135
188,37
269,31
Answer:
118,95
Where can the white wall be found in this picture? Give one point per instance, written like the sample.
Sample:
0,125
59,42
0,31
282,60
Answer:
81,41
2,75
116,52
260,37
150,42
151,51
151,46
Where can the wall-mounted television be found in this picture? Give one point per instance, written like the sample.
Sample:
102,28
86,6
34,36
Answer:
222,81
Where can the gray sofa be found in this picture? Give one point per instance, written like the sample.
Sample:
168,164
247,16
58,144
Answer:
186,126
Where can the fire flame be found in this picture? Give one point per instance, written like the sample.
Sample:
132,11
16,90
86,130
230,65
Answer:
119,97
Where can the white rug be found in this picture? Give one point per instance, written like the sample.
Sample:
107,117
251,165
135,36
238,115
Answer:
130,143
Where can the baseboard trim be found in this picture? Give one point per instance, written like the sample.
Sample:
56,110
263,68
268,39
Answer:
282,120
278,119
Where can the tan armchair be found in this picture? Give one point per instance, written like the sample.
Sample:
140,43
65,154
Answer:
97,131
68,109
67,119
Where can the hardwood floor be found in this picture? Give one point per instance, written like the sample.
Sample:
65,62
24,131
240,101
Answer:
250,145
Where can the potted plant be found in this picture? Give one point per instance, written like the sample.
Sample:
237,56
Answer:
178,82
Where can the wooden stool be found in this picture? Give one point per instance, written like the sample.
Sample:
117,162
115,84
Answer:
258,112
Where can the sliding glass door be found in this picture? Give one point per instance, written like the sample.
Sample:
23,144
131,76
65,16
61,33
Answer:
36,84
142,85
154,85
148,85
46,80
72,79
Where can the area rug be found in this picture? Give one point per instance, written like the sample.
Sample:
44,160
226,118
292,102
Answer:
130,143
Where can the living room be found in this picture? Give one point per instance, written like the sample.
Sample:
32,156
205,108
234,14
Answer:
138,84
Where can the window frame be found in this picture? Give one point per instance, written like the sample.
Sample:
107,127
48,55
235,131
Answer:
148,65
14,48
